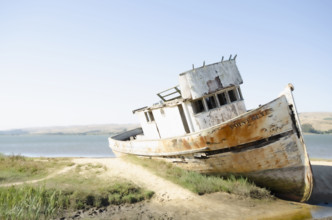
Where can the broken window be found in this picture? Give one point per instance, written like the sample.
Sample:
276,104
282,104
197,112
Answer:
222,99
198,106
151,116
211,102
240,93
232,96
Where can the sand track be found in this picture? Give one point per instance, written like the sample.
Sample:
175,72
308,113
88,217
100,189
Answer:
58,172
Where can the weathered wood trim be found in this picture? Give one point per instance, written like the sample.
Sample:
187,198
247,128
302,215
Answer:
179,153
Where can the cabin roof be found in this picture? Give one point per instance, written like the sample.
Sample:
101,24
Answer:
170,103
208,65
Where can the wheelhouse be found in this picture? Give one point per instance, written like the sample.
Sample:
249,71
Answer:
206,96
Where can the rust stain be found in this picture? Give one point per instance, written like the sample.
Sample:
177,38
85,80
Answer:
202,142
186,144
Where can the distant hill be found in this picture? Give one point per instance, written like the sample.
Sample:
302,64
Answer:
312,122
107,129
316,122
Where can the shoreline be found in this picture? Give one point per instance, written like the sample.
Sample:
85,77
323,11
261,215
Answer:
171,201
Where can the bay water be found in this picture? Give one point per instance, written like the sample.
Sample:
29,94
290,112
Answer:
318,146
56,145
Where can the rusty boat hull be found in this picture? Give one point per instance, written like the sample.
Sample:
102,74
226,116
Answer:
264,145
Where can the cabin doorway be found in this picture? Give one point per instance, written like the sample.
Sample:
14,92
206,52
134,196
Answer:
184,119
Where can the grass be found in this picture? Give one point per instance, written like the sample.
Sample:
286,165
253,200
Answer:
200,183
41,202
83,187
18,168
31,202
89,189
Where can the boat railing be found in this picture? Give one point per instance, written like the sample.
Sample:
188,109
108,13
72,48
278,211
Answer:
170,94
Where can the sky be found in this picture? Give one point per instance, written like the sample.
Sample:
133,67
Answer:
78,62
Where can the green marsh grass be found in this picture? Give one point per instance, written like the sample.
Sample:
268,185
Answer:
29,202
88,189
200,183
40,202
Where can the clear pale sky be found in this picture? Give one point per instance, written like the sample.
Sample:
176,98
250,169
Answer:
79,62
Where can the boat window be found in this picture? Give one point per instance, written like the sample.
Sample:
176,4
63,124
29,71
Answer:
146,116
151,116
197,106
232,96
222,99
211,102
240,93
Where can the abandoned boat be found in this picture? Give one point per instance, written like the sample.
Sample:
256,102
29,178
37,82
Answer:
203,125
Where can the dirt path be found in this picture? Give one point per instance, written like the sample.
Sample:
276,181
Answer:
64,170
174,202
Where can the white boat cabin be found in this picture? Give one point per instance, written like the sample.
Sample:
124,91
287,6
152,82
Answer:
206,96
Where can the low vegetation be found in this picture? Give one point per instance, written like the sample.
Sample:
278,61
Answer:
31,202
40,202
200,183
80,188
89,189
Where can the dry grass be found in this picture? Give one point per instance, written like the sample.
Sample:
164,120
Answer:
321,121
17,168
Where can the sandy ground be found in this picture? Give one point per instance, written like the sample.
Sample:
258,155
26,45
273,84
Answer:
173,202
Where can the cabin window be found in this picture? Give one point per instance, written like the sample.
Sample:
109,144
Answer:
211,102
240,93
146,116
222,99
232,96
198,106
151,116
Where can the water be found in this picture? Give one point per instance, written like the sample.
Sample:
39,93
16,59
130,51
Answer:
319,146
56,146
322,211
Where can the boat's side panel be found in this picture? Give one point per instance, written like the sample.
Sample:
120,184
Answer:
269,120
278,166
